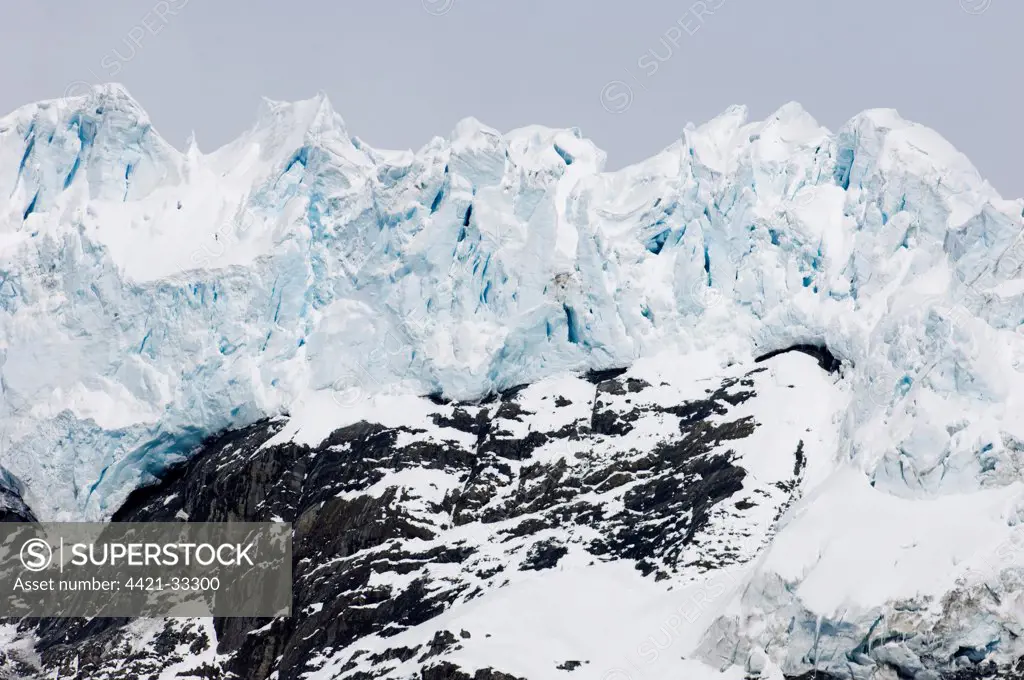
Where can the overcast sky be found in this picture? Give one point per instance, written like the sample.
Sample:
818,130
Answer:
630,74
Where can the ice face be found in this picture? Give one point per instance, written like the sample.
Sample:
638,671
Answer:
150,297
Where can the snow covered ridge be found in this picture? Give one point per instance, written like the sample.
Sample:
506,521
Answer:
672,520
151,297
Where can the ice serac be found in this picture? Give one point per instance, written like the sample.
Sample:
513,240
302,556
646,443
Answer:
150,297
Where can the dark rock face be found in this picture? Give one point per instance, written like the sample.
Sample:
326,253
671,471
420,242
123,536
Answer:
448,671
12,506
544,479
828,361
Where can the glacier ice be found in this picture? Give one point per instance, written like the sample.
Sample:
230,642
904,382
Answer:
150,297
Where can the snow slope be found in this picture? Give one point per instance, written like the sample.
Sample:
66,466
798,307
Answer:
591,524
602,613
675,519
150,297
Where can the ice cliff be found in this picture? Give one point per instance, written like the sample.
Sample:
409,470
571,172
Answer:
150,297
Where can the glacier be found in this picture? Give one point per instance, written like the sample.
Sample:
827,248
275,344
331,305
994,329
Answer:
150,298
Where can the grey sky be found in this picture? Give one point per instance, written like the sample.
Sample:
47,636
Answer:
401,71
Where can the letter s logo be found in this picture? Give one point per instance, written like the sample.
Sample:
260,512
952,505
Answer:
36,554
